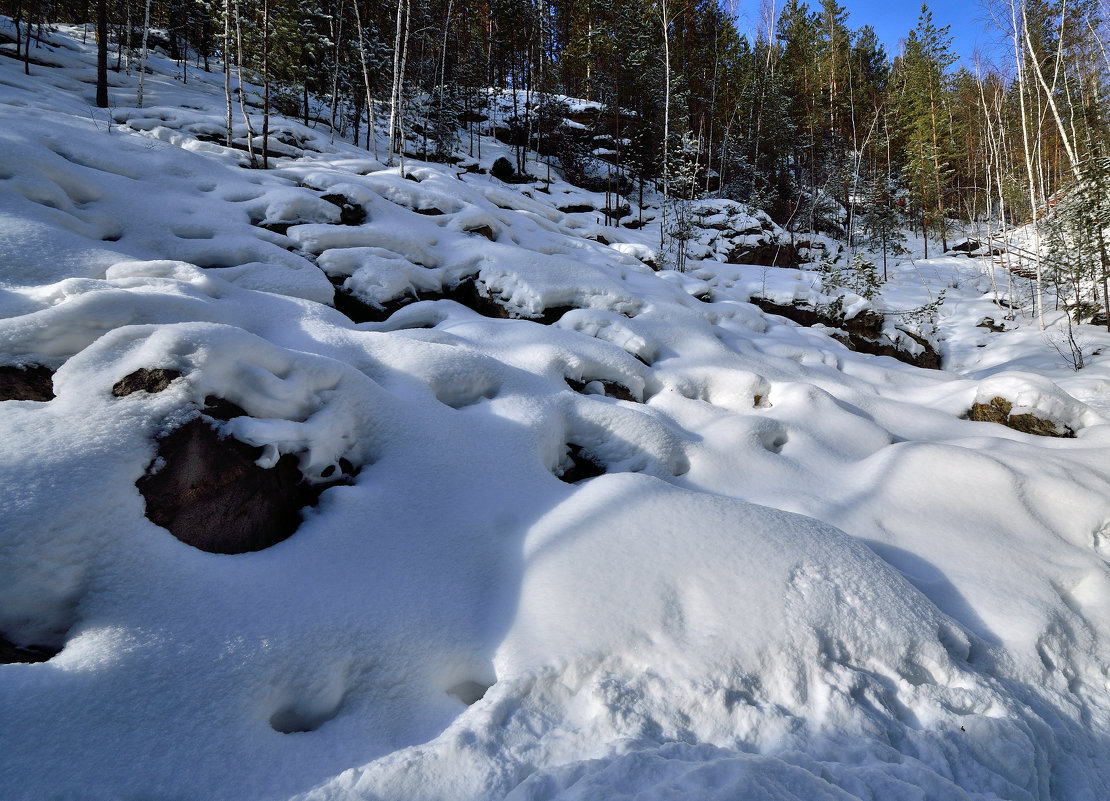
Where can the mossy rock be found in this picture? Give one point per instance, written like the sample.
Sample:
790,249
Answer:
998,411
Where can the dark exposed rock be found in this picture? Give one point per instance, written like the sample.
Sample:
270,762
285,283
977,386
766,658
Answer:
144,380
990,325
26,383
502,170
583,465
466,293
277,227
864,332
766,255
998,411
928,359
483,230
965,246
240,145
350,213
208,491
430,212
359,311
613,389
10,653
575,208
470,295
220,409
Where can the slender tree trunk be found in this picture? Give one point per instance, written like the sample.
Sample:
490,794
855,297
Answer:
1028,155
27,54
227,65
129,27
1105,259
1048,93
265,84
184,45
370,133
335,74
101,52
666,118
400,129
395,93
142,55
242,86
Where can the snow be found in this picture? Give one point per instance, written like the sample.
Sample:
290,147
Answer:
803,575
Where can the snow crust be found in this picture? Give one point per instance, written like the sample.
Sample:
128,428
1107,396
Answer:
803,575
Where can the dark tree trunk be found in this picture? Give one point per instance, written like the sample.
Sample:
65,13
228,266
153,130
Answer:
102,53
266,85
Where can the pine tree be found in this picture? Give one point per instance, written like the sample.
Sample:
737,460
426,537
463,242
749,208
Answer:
921,107
881,221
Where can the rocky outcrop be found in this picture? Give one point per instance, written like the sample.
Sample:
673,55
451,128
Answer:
766,253
862,333
207,489
144,380
26,383
999,410
350,212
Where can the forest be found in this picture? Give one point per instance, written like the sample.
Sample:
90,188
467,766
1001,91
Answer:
807,117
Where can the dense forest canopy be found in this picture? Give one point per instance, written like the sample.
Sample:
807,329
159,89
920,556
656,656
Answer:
808,117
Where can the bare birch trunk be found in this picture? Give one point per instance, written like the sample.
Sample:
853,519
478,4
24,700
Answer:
142,56
1028,154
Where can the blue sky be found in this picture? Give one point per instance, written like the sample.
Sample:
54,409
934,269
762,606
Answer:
894,19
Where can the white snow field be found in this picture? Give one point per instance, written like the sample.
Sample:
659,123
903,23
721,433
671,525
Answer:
803,575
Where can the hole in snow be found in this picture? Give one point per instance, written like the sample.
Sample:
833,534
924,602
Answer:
774,440
458,393
469,692
10,653
296,718
580,465
193,232
242,197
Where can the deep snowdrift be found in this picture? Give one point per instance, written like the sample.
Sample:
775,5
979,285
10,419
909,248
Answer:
802,575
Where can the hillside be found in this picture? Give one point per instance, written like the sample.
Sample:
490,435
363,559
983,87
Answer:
342,481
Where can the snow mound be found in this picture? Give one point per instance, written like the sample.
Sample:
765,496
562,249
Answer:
1031,394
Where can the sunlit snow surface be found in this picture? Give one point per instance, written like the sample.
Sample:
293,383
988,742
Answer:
804,576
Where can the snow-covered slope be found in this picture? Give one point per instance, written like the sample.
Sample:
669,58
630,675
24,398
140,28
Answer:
802,574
